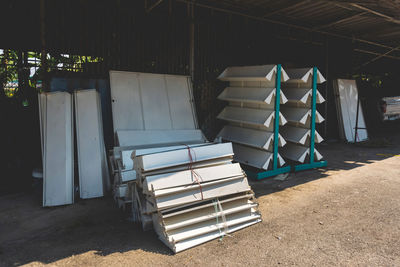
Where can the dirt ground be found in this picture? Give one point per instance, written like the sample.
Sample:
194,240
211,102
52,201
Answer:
347,214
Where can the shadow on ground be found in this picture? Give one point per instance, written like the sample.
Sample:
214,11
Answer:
340,157
30,233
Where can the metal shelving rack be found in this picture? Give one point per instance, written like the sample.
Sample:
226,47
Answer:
302,115
254,117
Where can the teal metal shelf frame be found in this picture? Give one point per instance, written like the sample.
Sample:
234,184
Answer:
312,164
275,170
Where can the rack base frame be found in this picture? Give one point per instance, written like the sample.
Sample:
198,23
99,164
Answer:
266,174
308,166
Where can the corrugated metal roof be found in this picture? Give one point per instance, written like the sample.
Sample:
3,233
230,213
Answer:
376,21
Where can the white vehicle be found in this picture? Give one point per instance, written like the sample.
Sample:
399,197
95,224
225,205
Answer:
390,108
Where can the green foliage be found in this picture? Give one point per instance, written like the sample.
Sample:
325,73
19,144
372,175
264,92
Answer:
59,62
376,81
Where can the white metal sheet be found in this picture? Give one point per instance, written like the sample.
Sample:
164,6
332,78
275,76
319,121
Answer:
348,94
121,191
127,176
126,101
181,234
207,213
250,137
195,186
298,153
301,96
300,115
251,73
257,158
42,119
195,165
58,163
127,162
156,112
255,117
93,169
145,151
299,135
128,138
181,102
179,157
144,101
167,213
186,244
252,95
303,75
232,186
168,180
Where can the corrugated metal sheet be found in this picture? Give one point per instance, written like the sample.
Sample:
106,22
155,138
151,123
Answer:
58,148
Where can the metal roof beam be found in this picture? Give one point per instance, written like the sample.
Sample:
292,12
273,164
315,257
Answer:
285,8
151,7
379,56
379,14
376,54
383,33
357,5
238,13
340,21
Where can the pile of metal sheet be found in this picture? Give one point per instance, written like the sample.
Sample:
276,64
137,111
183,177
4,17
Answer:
251,114
348,108
192,195
140,141
165,173
148,110
301,114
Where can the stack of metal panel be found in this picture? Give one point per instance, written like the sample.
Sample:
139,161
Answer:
173,180
301,114
139,142
143,106
192,195
253,114
56,125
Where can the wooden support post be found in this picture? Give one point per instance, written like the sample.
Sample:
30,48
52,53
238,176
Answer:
43,57
326,87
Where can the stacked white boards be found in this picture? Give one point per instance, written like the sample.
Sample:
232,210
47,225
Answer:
145,106
192,200
143,142
56,124
301,114
165,172
57,136
348,108
253,116
92,160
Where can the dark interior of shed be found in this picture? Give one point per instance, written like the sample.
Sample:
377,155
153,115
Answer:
83,40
